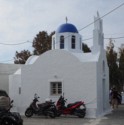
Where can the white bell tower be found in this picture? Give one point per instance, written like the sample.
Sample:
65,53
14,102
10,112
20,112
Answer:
67,38
98,36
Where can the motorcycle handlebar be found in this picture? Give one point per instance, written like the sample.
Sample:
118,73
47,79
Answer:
65,100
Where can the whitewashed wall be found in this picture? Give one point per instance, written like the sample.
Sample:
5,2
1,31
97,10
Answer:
4,82
67,41
79,79
5,71
103,105
14,92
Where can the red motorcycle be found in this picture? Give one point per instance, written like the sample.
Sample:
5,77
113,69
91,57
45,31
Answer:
70,109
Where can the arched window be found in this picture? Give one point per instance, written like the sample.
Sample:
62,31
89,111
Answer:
61,42
80,44
73,42
103,67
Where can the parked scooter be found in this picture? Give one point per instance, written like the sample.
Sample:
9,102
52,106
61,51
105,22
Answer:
46,109
70,109
10,118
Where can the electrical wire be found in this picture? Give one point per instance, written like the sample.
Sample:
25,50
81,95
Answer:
81,28
15,43
78,30
87,39
121,37
102,16
97,20
82,40
113,34
91,102
7,60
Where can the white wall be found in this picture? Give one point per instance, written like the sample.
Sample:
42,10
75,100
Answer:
4,82
79,79
103,105
14,92
67,41
5,71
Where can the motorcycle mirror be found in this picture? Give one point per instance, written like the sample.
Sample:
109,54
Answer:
12,101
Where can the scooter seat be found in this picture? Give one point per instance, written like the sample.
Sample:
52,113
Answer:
41,105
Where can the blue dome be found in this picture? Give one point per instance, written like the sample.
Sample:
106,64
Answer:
67,27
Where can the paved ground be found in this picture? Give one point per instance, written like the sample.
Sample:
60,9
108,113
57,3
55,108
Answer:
115,118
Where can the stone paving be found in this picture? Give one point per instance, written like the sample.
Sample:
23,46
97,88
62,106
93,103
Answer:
116,117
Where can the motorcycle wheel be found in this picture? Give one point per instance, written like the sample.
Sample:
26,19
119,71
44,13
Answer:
28,112
81,113
52,114
8,122
58,113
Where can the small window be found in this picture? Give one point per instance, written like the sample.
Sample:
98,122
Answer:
73,42
19,90
103,67
80,44
61,42
56,88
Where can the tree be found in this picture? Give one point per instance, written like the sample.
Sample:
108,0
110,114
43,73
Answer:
85,48
121,65
113,67
21,57
42,42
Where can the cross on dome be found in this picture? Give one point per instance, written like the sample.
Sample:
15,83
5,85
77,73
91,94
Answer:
66,19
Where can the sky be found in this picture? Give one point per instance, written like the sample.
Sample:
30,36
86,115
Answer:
21,20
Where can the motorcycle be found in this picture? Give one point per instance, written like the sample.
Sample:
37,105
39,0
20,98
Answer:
46,109
10,118
70,109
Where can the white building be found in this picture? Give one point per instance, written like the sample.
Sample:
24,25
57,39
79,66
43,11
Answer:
5,71
66,69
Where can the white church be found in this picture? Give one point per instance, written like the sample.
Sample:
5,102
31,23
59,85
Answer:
66,69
